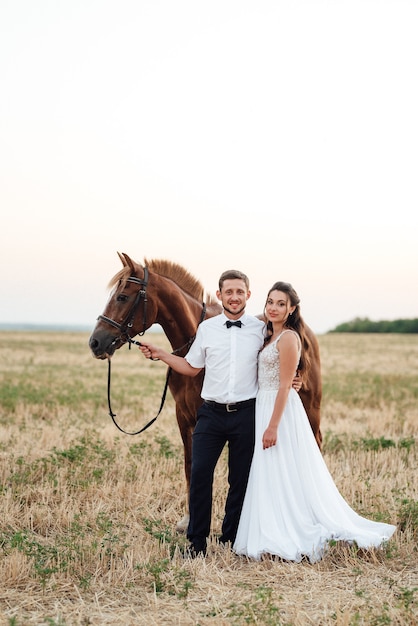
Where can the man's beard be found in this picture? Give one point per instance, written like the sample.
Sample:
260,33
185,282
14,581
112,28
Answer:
235,312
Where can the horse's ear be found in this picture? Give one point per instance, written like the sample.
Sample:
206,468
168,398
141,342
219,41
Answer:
122,259
126,261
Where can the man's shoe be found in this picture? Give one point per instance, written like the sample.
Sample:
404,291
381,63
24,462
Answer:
191,552
225,541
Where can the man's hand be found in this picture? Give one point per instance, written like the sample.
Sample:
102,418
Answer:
150,352
297,382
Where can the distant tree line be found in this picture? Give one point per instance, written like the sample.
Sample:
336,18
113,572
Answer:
364,325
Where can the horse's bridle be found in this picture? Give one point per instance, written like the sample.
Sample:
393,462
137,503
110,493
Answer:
125,327
128,322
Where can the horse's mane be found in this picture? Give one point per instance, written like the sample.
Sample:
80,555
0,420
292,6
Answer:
178,275
175,272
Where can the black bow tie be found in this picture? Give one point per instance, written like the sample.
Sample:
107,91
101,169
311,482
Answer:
237,323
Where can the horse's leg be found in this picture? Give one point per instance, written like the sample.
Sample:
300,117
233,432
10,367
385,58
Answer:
312,404
183,524
186,431
314,419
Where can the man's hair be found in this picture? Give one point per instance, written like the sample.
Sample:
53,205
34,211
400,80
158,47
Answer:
233,275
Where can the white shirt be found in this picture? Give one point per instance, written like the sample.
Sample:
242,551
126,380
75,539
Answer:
229,356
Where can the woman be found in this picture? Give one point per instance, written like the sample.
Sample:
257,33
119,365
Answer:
292,507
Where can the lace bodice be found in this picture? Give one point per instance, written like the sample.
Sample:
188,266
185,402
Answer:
269,365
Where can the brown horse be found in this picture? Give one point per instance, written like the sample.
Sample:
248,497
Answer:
165,293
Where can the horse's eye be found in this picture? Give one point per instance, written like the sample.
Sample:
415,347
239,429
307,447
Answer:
122,298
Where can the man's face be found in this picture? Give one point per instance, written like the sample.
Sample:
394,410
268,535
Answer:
234,296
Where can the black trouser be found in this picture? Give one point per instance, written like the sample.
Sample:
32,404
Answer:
213,430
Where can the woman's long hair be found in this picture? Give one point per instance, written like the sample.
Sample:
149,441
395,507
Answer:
294,322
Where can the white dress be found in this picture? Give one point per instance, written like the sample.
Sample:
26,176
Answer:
292,507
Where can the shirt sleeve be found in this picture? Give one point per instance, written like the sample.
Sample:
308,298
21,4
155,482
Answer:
196,355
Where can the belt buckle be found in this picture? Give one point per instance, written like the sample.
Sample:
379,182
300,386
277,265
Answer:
229,410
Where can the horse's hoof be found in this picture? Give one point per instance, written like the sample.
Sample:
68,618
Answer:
183,524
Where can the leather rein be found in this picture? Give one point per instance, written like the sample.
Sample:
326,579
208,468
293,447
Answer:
125,329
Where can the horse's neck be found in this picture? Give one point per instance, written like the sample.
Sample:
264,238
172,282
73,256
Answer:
179,319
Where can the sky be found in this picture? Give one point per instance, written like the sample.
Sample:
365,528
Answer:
277,137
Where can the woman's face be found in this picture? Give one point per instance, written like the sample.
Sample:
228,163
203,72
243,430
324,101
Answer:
278,307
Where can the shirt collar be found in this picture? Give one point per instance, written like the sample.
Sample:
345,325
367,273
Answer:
242,319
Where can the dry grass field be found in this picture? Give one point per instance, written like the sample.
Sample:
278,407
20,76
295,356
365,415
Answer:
88,514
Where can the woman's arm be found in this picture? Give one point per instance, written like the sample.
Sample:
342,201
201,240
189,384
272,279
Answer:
289,356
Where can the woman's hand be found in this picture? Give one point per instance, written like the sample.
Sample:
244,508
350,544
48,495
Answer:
269,437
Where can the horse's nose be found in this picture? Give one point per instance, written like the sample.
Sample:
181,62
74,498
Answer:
97,345
102,344
93,343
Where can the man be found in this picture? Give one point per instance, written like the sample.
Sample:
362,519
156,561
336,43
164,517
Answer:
227,346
